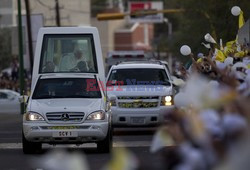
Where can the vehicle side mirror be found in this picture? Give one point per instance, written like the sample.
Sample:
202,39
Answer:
23,99
111,101
178,82
112,97
108,106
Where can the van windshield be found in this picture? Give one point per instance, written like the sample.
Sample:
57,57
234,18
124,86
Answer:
140,76
67,88
68,53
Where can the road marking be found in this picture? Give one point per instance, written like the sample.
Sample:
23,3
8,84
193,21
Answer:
129,144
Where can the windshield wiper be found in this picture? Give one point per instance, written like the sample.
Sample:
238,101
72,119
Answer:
165,84
47,97
80,96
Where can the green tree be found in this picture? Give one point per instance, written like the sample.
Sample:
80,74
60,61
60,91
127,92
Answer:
5,47
98,6
201,17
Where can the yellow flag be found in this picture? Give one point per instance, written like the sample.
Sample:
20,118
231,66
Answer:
219,55
240,54
199,60
230,47
229,44
122,159
241,19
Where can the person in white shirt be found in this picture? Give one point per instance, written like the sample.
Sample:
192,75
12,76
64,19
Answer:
73,62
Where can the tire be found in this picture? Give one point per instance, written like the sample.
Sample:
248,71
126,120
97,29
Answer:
105,146
30,147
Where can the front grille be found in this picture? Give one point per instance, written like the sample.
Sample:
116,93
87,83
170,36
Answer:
138,104
65,116
63,127
137,97
138,101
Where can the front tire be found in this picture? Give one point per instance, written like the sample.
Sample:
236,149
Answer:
106,145
30,147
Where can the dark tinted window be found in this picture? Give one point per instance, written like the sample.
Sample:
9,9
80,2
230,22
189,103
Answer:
3,95
139,77
66,88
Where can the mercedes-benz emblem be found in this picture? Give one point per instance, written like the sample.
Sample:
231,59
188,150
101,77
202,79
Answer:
65,117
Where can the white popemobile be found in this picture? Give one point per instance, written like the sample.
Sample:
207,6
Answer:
141,93
68,103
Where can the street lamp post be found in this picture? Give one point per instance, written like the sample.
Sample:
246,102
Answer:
20,39
166,21
170,31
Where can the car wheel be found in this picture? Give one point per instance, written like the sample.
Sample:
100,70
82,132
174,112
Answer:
105,146
30,147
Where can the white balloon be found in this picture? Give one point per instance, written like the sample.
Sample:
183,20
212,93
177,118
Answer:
185,50
229,61
209,38
236,11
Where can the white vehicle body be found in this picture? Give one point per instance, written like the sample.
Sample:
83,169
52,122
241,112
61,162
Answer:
75,127
9,101
63,108
139,104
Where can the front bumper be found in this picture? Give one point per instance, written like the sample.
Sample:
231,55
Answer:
48,133
139,117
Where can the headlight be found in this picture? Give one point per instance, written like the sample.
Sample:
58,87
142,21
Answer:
98,115
166,101
31,116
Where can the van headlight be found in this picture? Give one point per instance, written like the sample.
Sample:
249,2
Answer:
98,115
32,116
167,101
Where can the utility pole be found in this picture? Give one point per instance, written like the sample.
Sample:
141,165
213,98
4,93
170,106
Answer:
20,39
57,9
170,32
29,31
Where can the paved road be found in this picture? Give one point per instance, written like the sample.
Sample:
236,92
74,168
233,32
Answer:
11,157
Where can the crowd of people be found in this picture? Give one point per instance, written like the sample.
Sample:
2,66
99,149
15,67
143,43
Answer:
210,122
10,79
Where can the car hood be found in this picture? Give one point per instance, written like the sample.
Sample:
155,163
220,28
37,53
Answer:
87,106
140,90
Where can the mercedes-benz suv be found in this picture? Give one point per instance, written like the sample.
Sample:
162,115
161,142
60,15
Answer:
67,109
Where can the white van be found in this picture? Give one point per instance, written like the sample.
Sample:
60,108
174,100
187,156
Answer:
68,103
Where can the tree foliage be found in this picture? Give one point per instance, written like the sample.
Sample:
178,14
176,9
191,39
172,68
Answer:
98,6
199,18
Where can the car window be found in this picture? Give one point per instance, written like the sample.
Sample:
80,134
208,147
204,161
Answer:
68,53
67,88
3,95
138,77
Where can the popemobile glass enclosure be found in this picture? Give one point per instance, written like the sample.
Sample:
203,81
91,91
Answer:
68,50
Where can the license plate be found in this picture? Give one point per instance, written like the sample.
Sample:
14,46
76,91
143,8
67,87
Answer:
138,120
65,134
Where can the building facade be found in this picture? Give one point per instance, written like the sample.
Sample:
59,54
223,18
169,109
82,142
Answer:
43,13
72,12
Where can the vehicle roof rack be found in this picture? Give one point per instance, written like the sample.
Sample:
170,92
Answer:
144,61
